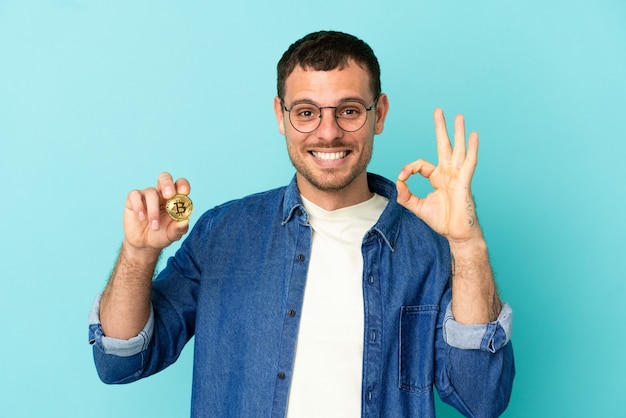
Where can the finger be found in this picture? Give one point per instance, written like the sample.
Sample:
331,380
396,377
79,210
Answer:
404,194
135,203
406,198
165,185
472,153
423,167
183,186
458,154
176,230
153,206
444,150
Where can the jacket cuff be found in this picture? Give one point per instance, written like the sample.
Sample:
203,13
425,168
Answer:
490,337
115,346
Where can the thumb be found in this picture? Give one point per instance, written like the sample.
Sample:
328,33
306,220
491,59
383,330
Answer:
176,230
406,198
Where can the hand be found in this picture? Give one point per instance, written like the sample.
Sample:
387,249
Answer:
147,226
449,209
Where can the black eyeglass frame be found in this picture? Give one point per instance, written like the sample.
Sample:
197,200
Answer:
367,110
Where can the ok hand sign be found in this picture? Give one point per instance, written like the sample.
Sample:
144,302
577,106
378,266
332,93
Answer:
449,209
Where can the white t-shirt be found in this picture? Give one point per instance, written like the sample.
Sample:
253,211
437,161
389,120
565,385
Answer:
329,356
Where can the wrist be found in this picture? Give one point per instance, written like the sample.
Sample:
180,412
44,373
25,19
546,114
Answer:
468,247
141,255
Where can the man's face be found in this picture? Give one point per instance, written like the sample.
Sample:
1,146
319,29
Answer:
330,159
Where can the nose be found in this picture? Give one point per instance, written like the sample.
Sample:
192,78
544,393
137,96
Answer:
328,129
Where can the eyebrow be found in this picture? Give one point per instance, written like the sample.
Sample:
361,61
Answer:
342,100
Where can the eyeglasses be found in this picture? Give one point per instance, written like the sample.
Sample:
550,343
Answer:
350,115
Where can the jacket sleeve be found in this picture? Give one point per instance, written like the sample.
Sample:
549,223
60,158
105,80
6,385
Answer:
118,361
170,326
486,337
477,364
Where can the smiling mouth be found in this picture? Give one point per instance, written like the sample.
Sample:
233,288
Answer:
329,156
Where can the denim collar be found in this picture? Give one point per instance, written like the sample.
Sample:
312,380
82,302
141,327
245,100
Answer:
387,226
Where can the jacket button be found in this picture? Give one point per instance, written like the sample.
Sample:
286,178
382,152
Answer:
300,257
292,312
281,375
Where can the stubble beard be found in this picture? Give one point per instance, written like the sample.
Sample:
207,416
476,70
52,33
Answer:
329,180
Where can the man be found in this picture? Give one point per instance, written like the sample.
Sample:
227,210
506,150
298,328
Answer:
324,298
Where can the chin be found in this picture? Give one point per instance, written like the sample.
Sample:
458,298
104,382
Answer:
331,182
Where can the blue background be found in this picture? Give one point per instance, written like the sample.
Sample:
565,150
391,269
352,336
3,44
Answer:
97,98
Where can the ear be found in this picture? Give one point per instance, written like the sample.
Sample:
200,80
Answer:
381,113
280,115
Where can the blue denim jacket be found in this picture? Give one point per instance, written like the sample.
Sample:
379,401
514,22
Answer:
237,285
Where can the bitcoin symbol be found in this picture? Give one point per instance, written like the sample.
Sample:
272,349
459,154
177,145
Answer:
179,207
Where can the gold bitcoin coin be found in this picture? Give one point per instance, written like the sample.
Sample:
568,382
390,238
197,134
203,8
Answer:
179,207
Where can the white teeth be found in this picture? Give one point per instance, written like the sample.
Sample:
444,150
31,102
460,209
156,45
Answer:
329,156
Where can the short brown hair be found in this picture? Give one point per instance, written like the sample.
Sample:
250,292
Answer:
326,51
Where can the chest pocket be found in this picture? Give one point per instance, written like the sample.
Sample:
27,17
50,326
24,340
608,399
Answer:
417,347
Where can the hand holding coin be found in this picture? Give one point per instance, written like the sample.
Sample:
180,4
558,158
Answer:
155,217
179,207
